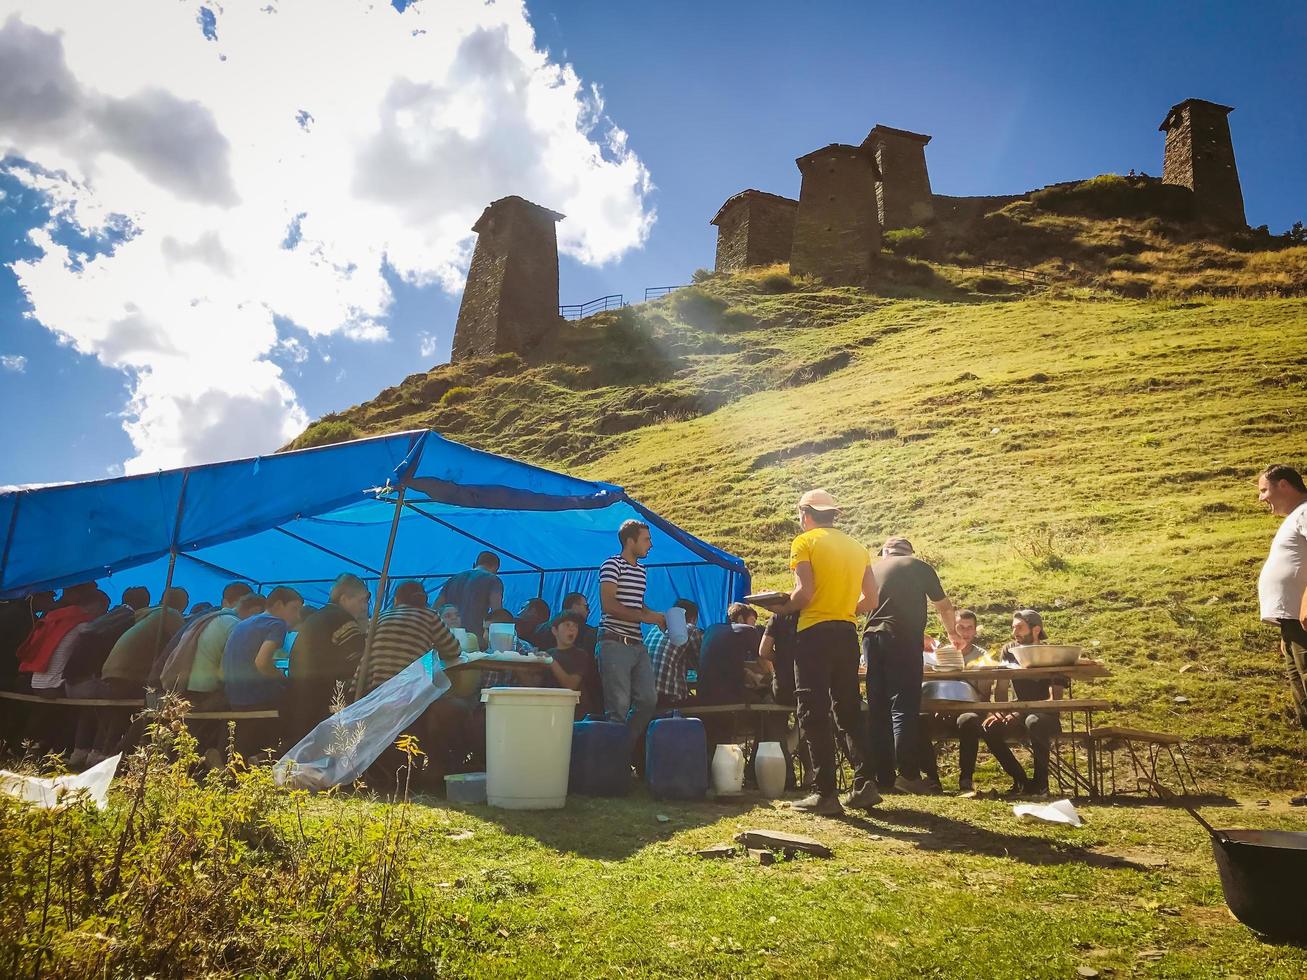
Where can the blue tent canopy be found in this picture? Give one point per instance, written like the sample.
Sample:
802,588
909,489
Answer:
301,518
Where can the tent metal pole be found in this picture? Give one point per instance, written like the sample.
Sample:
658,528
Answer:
172,564
366,664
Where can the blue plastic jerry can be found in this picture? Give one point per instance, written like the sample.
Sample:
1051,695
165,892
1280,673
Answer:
676,758
601,758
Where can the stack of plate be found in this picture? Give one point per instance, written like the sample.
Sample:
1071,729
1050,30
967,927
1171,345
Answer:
948,658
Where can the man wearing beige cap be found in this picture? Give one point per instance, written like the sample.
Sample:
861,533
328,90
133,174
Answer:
832,585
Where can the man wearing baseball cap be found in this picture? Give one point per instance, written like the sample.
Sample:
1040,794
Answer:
832,585
892,644
1038,726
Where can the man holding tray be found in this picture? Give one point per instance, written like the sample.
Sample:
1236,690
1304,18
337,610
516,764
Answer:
832,585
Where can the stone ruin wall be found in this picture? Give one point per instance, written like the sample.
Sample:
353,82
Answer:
903,197
754,228
837,229
1200,155
511,298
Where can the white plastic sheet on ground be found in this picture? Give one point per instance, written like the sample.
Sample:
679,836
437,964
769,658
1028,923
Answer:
48,792
343,746
1060,812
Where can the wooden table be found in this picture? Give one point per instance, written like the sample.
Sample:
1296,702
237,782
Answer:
1084,670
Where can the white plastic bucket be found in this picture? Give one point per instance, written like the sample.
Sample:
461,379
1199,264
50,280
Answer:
528,746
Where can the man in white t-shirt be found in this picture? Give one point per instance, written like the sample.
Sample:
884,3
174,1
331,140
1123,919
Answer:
1283,581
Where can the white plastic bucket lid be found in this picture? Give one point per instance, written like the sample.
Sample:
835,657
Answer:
531,695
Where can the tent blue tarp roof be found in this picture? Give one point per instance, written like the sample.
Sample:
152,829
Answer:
301,518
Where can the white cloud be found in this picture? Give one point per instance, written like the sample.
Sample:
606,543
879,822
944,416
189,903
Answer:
272,172
428,344
13,362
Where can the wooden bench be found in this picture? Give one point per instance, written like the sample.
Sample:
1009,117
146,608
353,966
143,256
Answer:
132,704
1146,752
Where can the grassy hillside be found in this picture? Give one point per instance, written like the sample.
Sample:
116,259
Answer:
1057,447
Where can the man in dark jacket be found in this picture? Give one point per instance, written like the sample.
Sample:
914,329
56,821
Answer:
892,647
327,651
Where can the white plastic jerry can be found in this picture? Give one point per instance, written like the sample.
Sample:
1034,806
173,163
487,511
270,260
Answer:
728,770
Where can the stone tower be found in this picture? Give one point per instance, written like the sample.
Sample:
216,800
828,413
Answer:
511,297
754,228
1200,156
903,191
836,229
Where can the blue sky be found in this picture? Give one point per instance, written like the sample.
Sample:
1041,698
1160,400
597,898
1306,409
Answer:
715,98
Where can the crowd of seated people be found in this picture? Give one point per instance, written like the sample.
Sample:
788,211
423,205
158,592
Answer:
252,653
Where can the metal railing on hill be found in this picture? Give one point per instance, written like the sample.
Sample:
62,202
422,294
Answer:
1025,275
577,311
658,292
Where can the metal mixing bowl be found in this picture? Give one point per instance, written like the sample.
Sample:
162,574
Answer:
1046,655
948,691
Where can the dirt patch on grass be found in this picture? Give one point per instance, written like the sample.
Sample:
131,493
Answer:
816,370
812,446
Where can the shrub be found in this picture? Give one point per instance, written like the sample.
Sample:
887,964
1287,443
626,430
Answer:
231,876
776,282
325,432
455,395
697,308
907,241
1125,263
701,275
990,284
1114,196
1042,549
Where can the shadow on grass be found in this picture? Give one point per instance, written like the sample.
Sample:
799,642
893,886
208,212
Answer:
607,828
933,832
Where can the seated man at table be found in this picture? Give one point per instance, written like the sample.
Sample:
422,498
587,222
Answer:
671,661
249,657
573,668
727,648
1038,726
404,633
532,617
449,615
326,652
588,637
966,725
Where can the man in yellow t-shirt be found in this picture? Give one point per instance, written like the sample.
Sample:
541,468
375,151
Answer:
832,585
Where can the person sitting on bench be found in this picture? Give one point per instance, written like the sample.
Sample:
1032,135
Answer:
967,726
249,659
1038,726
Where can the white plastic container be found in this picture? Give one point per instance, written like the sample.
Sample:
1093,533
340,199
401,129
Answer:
728,770
528,746
677,630
769,769
501,637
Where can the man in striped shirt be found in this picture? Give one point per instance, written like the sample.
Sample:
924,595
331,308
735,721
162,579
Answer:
624,664
405,632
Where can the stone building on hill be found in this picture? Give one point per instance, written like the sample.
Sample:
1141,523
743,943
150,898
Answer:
754,228
511,297
836,229
1200,156
903,198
